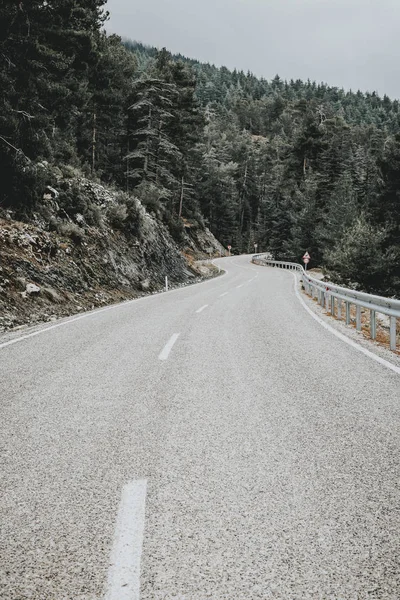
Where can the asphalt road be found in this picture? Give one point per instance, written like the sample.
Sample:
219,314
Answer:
270,449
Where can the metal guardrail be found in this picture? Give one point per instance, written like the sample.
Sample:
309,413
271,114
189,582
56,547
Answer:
333,297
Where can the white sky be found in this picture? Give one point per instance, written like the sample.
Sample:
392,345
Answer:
353,44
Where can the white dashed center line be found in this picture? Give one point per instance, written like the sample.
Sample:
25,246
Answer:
239,286
168,347
124,572
224,294
201,309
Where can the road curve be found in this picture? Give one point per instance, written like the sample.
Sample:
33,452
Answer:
264,448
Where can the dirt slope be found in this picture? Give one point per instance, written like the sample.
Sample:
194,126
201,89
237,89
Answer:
46,274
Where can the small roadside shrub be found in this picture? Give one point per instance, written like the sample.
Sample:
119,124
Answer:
133,221
150,196
117,215
73,231
74,200
93,215
176,228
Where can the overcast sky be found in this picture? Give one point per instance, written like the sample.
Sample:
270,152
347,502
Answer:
353,44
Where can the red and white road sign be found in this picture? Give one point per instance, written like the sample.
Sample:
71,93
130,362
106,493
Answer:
229,247
306,259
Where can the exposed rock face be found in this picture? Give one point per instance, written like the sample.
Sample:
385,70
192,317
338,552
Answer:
45,274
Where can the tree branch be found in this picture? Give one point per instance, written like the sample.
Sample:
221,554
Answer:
17,150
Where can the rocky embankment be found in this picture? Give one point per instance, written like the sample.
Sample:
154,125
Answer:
60,264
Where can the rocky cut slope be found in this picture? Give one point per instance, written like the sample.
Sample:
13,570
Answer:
90,246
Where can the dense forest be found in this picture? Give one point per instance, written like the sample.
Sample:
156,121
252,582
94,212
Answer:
289,166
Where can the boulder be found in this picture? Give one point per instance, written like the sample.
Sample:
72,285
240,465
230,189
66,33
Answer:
32,288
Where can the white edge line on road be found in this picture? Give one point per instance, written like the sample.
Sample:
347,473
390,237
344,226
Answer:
239,286
168,347
124,572
224,294
97,311
342,337
34,333
199,310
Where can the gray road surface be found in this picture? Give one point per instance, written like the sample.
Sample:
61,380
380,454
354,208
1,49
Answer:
270,450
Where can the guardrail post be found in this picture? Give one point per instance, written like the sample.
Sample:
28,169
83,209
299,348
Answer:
332,305
393,333
339,309
348,314
358,317
373,324
327,301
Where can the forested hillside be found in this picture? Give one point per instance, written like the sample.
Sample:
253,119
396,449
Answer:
295,166
290,166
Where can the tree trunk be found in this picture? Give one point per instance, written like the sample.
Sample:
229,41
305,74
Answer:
157,159
242,195
127,169
181,200
94,142
146,158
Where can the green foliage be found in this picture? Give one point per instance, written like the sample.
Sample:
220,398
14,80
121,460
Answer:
73,231
289,166
361,257
117,215
125,216
133,221
74,201
176,228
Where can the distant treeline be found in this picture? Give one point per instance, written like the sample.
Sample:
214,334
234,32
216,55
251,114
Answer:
290,166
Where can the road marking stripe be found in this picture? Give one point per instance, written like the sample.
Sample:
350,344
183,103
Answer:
168,347
124,572
201,309
343,337
239,286
224,294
